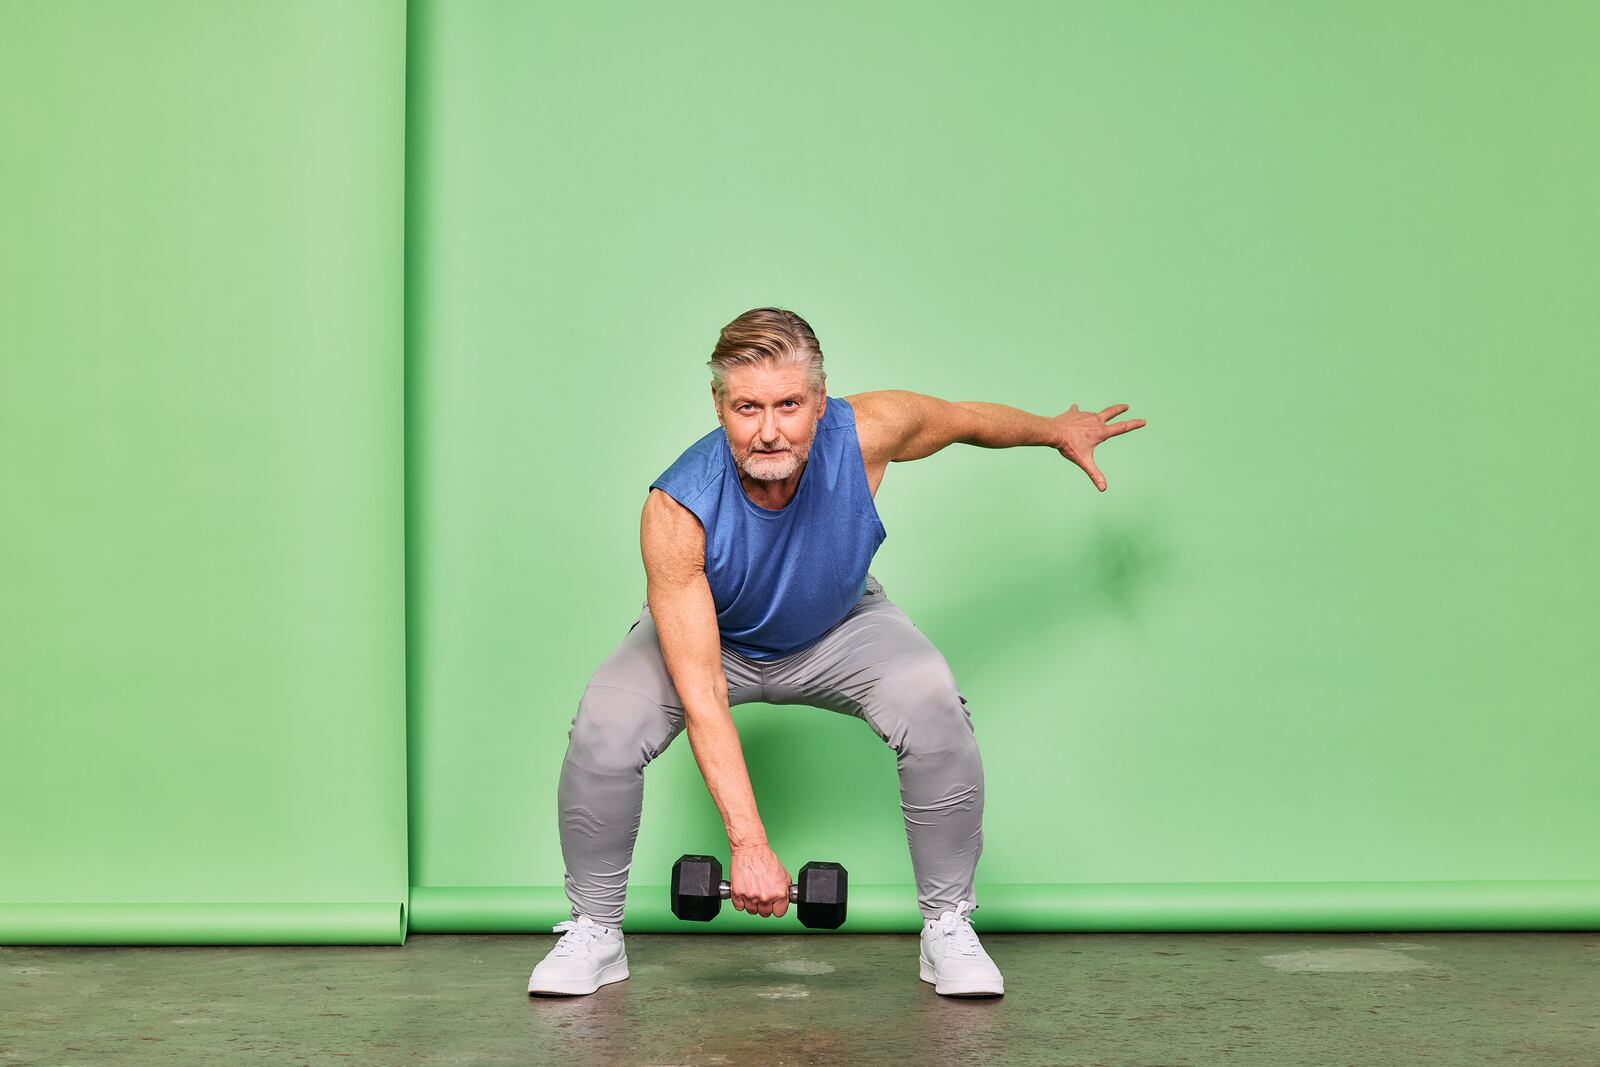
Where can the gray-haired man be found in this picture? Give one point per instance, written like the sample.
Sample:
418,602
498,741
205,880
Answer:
756,545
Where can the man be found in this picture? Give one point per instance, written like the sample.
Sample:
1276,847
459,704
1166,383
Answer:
756,543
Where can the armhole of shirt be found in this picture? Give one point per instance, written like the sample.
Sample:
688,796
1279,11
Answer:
853,449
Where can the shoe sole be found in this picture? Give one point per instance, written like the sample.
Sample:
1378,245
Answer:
611,972
972,987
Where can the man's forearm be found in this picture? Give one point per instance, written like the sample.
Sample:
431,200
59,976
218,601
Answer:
715,742
1000,426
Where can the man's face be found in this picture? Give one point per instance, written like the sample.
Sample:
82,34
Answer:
770,420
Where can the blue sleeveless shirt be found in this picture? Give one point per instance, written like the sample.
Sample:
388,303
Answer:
781,579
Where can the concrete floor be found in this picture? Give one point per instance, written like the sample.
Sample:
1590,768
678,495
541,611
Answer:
1281,999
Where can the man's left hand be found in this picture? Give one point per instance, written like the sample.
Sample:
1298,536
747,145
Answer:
1080,431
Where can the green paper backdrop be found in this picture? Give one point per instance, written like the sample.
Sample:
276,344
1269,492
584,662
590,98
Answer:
1333,622
202,704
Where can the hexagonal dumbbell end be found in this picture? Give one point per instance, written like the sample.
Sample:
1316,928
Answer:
821,896
697,888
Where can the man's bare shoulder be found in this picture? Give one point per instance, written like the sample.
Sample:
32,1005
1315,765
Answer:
670,535
884,419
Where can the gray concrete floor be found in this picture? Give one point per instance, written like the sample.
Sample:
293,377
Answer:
1280,999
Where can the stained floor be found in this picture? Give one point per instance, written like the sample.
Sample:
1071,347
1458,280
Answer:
1449,999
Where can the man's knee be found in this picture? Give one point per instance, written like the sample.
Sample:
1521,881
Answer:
618,731
918,709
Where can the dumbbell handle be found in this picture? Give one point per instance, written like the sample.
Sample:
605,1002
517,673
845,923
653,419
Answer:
725,891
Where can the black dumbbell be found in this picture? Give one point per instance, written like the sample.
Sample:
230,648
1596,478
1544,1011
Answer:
698,891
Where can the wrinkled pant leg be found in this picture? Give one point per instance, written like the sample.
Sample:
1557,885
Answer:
615,734
919,713
877,666
629,714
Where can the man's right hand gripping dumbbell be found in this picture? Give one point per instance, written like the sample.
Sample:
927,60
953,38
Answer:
760,886
758,880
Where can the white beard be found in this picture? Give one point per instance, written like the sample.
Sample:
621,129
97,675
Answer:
772,468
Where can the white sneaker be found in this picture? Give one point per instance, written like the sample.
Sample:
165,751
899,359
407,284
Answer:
953,960
587,957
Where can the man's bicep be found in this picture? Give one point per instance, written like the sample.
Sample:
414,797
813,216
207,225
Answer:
673,543
898,425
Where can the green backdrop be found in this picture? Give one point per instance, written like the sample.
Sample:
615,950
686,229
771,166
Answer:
1321,657
201,487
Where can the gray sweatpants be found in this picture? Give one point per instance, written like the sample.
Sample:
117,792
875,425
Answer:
874,665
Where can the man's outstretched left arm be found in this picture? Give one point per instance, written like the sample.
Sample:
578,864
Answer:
913,425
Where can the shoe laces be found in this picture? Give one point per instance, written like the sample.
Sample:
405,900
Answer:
956,930
577,936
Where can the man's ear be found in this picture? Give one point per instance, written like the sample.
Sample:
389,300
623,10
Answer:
716,405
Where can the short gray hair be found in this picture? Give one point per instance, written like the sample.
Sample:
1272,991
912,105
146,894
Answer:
770,337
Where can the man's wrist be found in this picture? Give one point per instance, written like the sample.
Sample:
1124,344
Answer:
747,839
